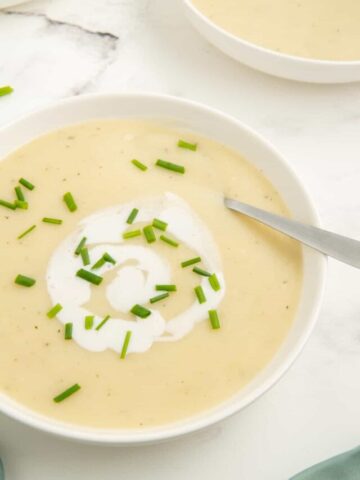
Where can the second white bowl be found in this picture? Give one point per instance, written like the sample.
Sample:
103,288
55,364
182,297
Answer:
269,61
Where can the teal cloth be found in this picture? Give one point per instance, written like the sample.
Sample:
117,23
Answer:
342,467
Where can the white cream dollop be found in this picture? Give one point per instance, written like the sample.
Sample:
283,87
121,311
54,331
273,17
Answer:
138,269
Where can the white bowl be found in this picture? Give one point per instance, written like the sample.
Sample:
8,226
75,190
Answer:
218,126
270,61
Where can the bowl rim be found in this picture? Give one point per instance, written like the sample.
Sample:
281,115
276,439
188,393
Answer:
264,50
205,419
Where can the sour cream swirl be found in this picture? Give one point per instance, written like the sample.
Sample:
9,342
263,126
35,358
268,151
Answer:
138,269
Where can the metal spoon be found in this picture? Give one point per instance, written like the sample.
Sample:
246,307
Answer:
342,248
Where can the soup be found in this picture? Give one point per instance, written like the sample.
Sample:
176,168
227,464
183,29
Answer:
321,29
130,295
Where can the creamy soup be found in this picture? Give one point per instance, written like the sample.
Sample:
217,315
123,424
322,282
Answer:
133,362
319,29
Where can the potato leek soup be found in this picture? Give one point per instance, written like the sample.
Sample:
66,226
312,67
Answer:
321,29
130,296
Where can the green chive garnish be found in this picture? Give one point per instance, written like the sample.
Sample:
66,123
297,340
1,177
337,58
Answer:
70,391
85,257
214,319
89,322
99,263
5,90
102,323
25,281
54,311
159,297
89,276
170,166
192,261
132,216
68,331
19,194
80,246
214,282
131,234
54,221
202,272
108,258
159,224
70,202
9,205
105,258
187,145
125,344
165,288
140,311
200,294
21,204
169,241
139,165
22,235
25,183
149,234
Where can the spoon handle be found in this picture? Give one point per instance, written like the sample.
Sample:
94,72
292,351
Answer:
342,248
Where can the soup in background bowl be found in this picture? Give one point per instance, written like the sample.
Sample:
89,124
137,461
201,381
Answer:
135,306
299,40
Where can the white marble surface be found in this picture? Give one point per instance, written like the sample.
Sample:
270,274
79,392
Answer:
52,49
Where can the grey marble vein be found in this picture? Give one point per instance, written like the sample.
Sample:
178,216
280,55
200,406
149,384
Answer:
52,21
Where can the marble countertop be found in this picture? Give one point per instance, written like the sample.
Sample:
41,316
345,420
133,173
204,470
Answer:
52,49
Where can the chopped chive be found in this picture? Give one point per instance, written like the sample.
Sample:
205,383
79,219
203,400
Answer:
89,276
214,282
149,234
21,204
80,246
199,292
102,323
187,145
125,344
5,90
54,221
165,288
202,272
25,183
54,311
132,216
70,202
159,297
19,194
70,391
22,235
25,281
68,331
89,322
192,261
9,205
170,166
140,311
169,241
214,319
105,258
99,263
131,234
159,224
108,258
85,257
139,165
